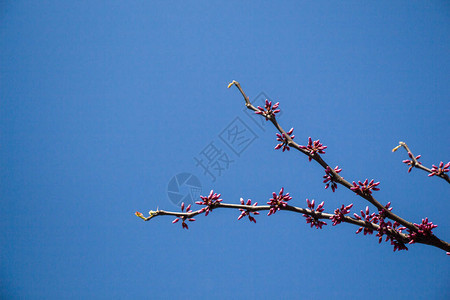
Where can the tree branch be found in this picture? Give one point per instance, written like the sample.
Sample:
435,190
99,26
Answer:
337,178
418,233
397,235
438,171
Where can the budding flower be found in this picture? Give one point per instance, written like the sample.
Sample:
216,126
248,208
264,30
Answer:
368,218
339,214
425,230
268,111
210,201
365,187
183,218
283,138
439,170
329,178
411,161
278,201
398,245
313,219
314,147
247,212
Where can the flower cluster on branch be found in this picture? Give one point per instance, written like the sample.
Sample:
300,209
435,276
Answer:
314,147
246,212
283,138
183,218
329,178
425,230
268,111
412,161
312,217
384,222
339,214
365,187
277,202
368,218
209,201
439,170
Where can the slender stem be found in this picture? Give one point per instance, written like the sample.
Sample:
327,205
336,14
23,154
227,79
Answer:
336,177
418,165
433,241
393,233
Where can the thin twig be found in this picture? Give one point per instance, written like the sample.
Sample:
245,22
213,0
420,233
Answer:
418,165
384,212
401,237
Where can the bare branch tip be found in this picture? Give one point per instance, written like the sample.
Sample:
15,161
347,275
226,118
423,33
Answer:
140,215
232,83
396,148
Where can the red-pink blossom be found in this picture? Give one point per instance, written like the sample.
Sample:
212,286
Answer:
329,178
183,218
365,187
382,212
278,201
283,138
312,218
368,218
268,111
209,202
398,245
411,162
339,214
439,170
246,212
425,230
314,147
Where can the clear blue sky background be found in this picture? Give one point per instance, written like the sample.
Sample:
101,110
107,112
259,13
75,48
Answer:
102,103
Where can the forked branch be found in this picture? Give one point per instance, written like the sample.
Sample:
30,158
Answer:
399,233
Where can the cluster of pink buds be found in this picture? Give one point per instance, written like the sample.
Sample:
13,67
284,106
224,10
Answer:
398,245
183,218
366,216
314,147
440,170
425,229
365,187
384,229
268,111
411,162
246,212
209,202
278,201
397,227
284,140
339,214
382,213
329,178
312,219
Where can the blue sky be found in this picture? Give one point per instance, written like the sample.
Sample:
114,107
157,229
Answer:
103,103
